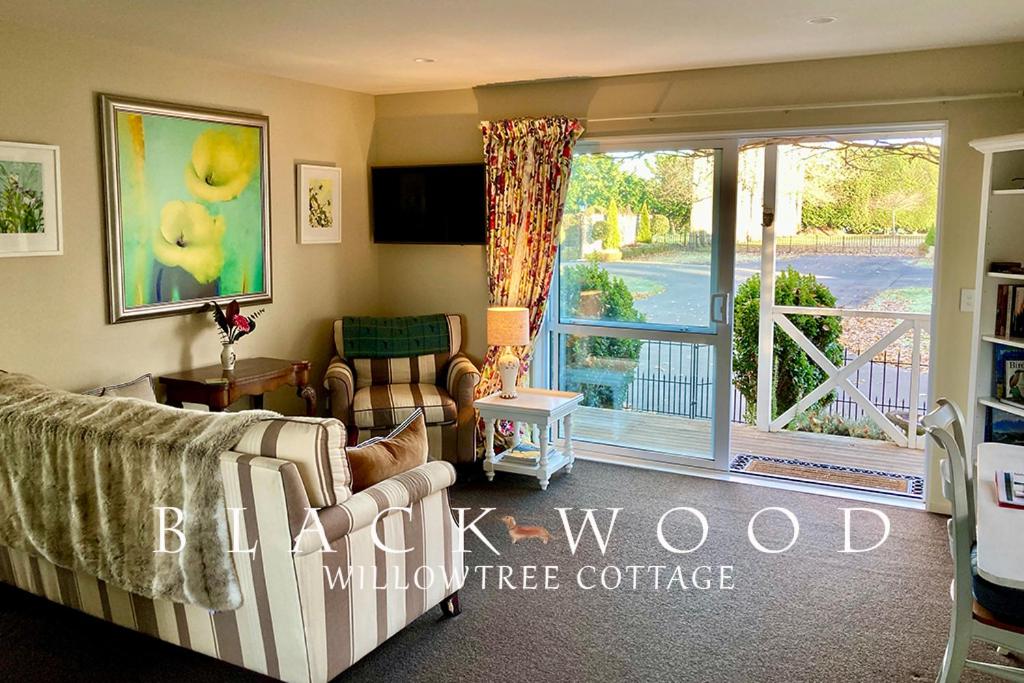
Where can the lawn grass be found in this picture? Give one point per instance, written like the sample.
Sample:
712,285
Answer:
641,287
911,299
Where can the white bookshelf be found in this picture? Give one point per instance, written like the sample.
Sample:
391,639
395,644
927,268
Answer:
1000,238
1006,276
996,404
1017,342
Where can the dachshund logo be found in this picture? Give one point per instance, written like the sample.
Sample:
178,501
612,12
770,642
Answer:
518,532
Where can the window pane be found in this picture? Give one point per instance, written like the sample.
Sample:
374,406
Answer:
636,238
651,395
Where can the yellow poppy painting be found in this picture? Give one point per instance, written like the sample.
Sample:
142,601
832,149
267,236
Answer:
188,217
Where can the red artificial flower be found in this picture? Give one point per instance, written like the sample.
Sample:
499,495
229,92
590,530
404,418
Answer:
241,322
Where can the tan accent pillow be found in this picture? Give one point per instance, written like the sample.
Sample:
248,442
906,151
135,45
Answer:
378,459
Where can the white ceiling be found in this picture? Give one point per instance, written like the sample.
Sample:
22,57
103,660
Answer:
371,46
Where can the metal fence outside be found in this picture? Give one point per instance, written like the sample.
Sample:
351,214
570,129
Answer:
676,378
804,243
841,243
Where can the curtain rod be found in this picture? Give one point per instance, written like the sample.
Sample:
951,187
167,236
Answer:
798,107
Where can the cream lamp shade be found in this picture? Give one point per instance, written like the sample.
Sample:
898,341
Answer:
508,326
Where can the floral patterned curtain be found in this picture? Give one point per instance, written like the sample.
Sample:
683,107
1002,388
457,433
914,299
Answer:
528,164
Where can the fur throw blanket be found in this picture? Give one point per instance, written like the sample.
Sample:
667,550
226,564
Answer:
81,476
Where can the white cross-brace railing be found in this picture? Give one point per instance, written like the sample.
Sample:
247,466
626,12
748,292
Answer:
839,378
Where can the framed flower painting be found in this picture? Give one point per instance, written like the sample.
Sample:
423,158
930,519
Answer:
318,200
188,208
30,212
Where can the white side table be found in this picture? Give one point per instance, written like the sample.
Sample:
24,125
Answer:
542,409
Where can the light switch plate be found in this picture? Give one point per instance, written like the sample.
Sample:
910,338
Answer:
966,300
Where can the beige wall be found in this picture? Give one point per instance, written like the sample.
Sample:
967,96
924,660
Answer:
53,310
442,127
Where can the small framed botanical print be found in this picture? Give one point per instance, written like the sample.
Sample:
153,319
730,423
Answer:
318,202
30,213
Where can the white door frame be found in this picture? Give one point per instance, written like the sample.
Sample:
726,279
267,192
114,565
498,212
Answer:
718,334
544,369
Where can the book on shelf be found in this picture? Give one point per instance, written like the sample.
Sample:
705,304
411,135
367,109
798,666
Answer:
1009,311
1007,383
1008,374
525,452
1002,309
1016,319
1010,487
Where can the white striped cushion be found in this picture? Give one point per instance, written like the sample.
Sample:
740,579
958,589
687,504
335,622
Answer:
315,445
388,404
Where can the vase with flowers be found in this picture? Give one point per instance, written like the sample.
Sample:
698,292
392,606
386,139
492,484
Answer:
232,326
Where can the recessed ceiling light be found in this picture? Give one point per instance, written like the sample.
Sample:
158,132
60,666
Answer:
821,20
424,60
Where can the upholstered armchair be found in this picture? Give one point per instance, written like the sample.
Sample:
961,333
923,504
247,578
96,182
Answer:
385,368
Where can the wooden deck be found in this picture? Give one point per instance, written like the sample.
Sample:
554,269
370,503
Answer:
684,436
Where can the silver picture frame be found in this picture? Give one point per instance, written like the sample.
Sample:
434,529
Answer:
110,106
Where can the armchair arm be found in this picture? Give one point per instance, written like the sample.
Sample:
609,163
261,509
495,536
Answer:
461,380
341,384
401,490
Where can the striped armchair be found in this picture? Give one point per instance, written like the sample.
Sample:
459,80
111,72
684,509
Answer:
307,613
386,368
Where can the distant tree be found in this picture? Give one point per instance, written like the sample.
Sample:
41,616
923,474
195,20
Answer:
632,190
870,186
643,228
672,188
612,236
900,199
594,182
659,225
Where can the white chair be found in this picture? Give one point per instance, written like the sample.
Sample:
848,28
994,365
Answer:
970,620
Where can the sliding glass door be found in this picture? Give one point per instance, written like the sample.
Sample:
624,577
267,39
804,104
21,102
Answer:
640,316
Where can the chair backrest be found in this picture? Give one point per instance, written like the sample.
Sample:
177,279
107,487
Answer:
949,416
403,350
942,425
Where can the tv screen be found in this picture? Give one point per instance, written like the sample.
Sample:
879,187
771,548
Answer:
429,204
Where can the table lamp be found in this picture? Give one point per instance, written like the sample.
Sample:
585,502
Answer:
508,326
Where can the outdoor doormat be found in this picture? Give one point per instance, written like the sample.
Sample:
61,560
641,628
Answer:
878,481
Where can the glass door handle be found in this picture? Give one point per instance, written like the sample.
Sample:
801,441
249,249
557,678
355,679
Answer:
721,308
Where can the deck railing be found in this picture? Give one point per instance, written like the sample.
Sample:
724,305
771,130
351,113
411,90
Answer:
839,378
675,378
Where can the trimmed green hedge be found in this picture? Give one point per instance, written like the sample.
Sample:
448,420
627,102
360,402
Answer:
795,375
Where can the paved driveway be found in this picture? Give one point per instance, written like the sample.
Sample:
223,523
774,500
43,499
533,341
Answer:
854,280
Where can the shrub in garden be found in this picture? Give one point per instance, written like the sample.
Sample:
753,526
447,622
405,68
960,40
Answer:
608,353
643,229
929,238
571,243
612,237
820,422
795,375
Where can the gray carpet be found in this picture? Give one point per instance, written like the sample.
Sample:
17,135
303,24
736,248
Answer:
811,614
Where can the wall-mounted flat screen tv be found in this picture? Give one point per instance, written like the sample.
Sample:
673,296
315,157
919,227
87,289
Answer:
429,204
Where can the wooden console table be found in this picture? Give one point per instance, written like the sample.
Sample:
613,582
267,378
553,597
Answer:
217,388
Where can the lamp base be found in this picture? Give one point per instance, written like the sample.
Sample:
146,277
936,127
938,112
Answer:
508,368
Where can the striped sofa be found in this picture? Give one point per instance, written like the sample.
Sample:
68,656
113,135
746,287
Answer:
307,615
386,368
